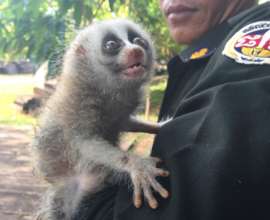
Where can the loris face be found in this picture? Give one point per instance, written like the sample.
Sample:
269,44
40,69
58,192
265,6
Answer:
115,51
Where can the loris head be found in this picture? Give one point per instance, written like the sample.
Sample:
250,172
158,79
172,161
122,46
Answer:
116,53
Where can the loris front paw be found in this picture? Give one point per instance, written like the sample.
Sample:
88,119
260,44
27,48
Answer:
143,173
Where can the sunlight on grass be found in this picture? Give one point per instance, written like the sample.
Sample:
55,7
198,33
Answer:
141,143
14,86
11,87
157,91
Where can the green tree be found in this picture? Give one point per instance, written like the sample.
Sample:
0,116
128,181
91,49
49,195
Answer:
35,29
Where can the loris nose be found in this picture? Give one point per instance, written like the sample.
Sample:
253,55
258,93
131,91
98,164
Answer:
135,55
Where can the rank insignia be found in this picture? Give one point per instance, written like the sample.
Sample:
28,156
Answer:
250,45
199,54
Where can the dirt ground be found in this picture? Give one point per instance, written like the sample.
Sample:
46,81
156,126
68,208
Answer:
19,189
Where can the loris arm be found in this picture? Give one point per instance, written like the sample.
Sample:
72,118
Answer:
137,125
142,171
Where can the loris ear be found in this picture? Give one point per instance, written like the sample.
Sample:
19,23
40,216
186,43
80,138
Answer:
80,50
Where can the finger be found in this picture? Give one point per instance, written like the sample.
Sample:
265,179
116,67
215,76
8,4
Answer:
163,173
137,197
149,196
159,188
157,160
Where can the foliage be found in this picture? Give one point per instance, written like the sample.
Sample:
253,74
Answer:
157,89
34,29
149,14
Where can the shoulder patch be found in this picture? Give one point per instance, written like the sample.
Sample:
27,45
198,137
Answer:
250,45
199,54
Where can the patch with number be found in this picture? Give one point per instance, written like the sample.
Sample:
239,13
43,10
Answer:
250,45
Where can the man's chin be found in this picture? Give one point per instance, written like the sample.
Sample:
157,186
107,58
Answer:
185,35
180,37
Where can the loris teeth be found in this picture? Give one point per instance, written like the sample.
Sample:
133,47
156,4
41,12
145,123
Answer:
136,65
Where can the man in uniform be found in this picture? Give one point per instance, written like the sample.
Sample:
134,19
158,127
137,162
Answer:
217,145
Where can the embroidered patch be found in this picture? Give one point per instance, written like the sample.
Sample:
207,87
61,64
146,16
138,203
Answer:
199,54
250,45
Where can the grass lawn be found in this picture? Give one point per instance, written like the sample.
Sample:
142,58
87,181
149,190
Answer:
142,142
157,90
11,87
14,86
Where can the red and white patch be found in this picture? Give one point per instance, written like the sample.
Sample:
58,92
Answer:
250,45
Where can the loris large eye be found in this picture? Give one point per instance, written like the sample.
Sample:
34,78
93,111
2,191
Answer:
141,42
112,46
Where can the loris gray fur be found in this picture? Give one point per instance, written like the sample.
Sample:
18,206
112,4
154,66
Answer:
102,82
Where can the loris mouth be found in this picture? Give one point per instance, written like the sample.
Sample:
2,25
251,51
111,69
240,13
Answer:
134,71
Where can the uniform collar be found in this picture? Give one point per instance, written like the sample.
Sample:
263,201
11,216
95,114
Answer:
206,45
